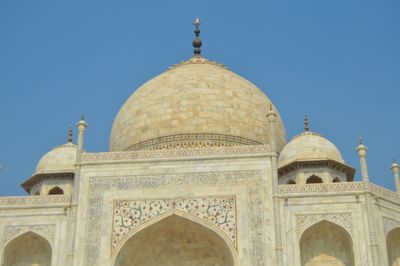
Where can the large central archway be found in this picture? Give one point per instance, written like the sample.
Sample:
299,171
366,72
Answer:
175,241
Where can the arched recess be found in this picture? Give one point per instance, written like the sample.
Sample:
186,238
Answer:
326,243
176,239
56,191
314,179
393,247
27,249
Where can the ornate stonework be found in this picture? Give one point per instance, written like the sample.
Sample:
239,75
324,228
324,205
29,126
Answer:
322,188
193,140
305,221
219,211
175,153
251,179
340,187
389,224
35,200
45,230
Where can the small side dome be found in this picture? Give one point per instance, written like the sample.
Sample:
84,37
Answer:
61,159
309,146
55,171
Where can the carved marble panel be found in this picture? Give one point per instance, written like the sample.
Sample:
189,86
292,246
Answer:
305,221
389,224
45,230
219,211
251,179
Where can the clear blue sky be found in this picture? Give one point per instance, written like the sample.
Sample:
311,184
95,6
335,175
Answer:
338,61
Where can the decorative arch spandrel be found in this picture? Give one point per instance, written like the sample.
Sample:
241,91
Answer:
219,212
182,215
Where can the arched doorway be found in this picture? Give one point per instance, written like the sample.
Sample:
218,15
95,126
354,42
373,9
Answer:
175,241
326,243
27,250
393,247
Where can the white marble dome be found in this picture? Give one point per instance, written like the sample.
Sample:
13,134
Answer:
61,159
309,146
197,103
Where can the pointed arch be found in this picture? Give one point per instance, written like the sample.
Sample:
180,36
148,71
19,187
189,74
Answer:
326,243
177,232
27,249
314,180
393,247
56,191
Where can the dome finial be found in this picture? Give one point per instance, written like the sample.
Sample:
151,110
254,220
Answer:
197,42
306,124
70,139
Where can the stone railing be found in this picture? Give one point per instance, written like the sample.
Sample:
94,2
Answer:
35,201
321,188
251,150
344,187
384,192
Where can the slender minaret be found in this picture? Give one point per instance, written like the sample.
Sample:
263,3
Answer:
395,169
271,116
81,133
73,216
362,154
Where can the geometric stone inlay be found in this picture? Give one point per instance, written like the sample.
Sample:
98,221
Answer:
304,221
219,211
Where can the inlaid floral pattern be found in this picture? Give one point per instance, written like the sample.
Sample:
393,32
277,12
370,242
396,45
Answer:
219,211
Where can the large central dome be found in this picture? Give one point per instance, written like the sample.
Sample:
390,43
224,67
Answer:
197,103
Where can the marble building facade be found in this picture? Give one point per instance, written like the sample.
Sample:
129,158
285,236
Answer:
199,172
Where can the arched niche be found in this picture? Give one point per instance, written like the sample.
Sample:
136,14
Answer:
326,243
175,241
314,180
393,247
28,249
56,191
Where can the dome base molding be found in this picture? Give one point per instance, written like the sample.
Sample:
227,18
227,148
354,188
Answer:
192,140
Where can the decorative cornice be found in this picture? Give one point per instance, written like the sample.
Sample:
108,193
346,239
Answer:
192,140
343,187
347,170
251,150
